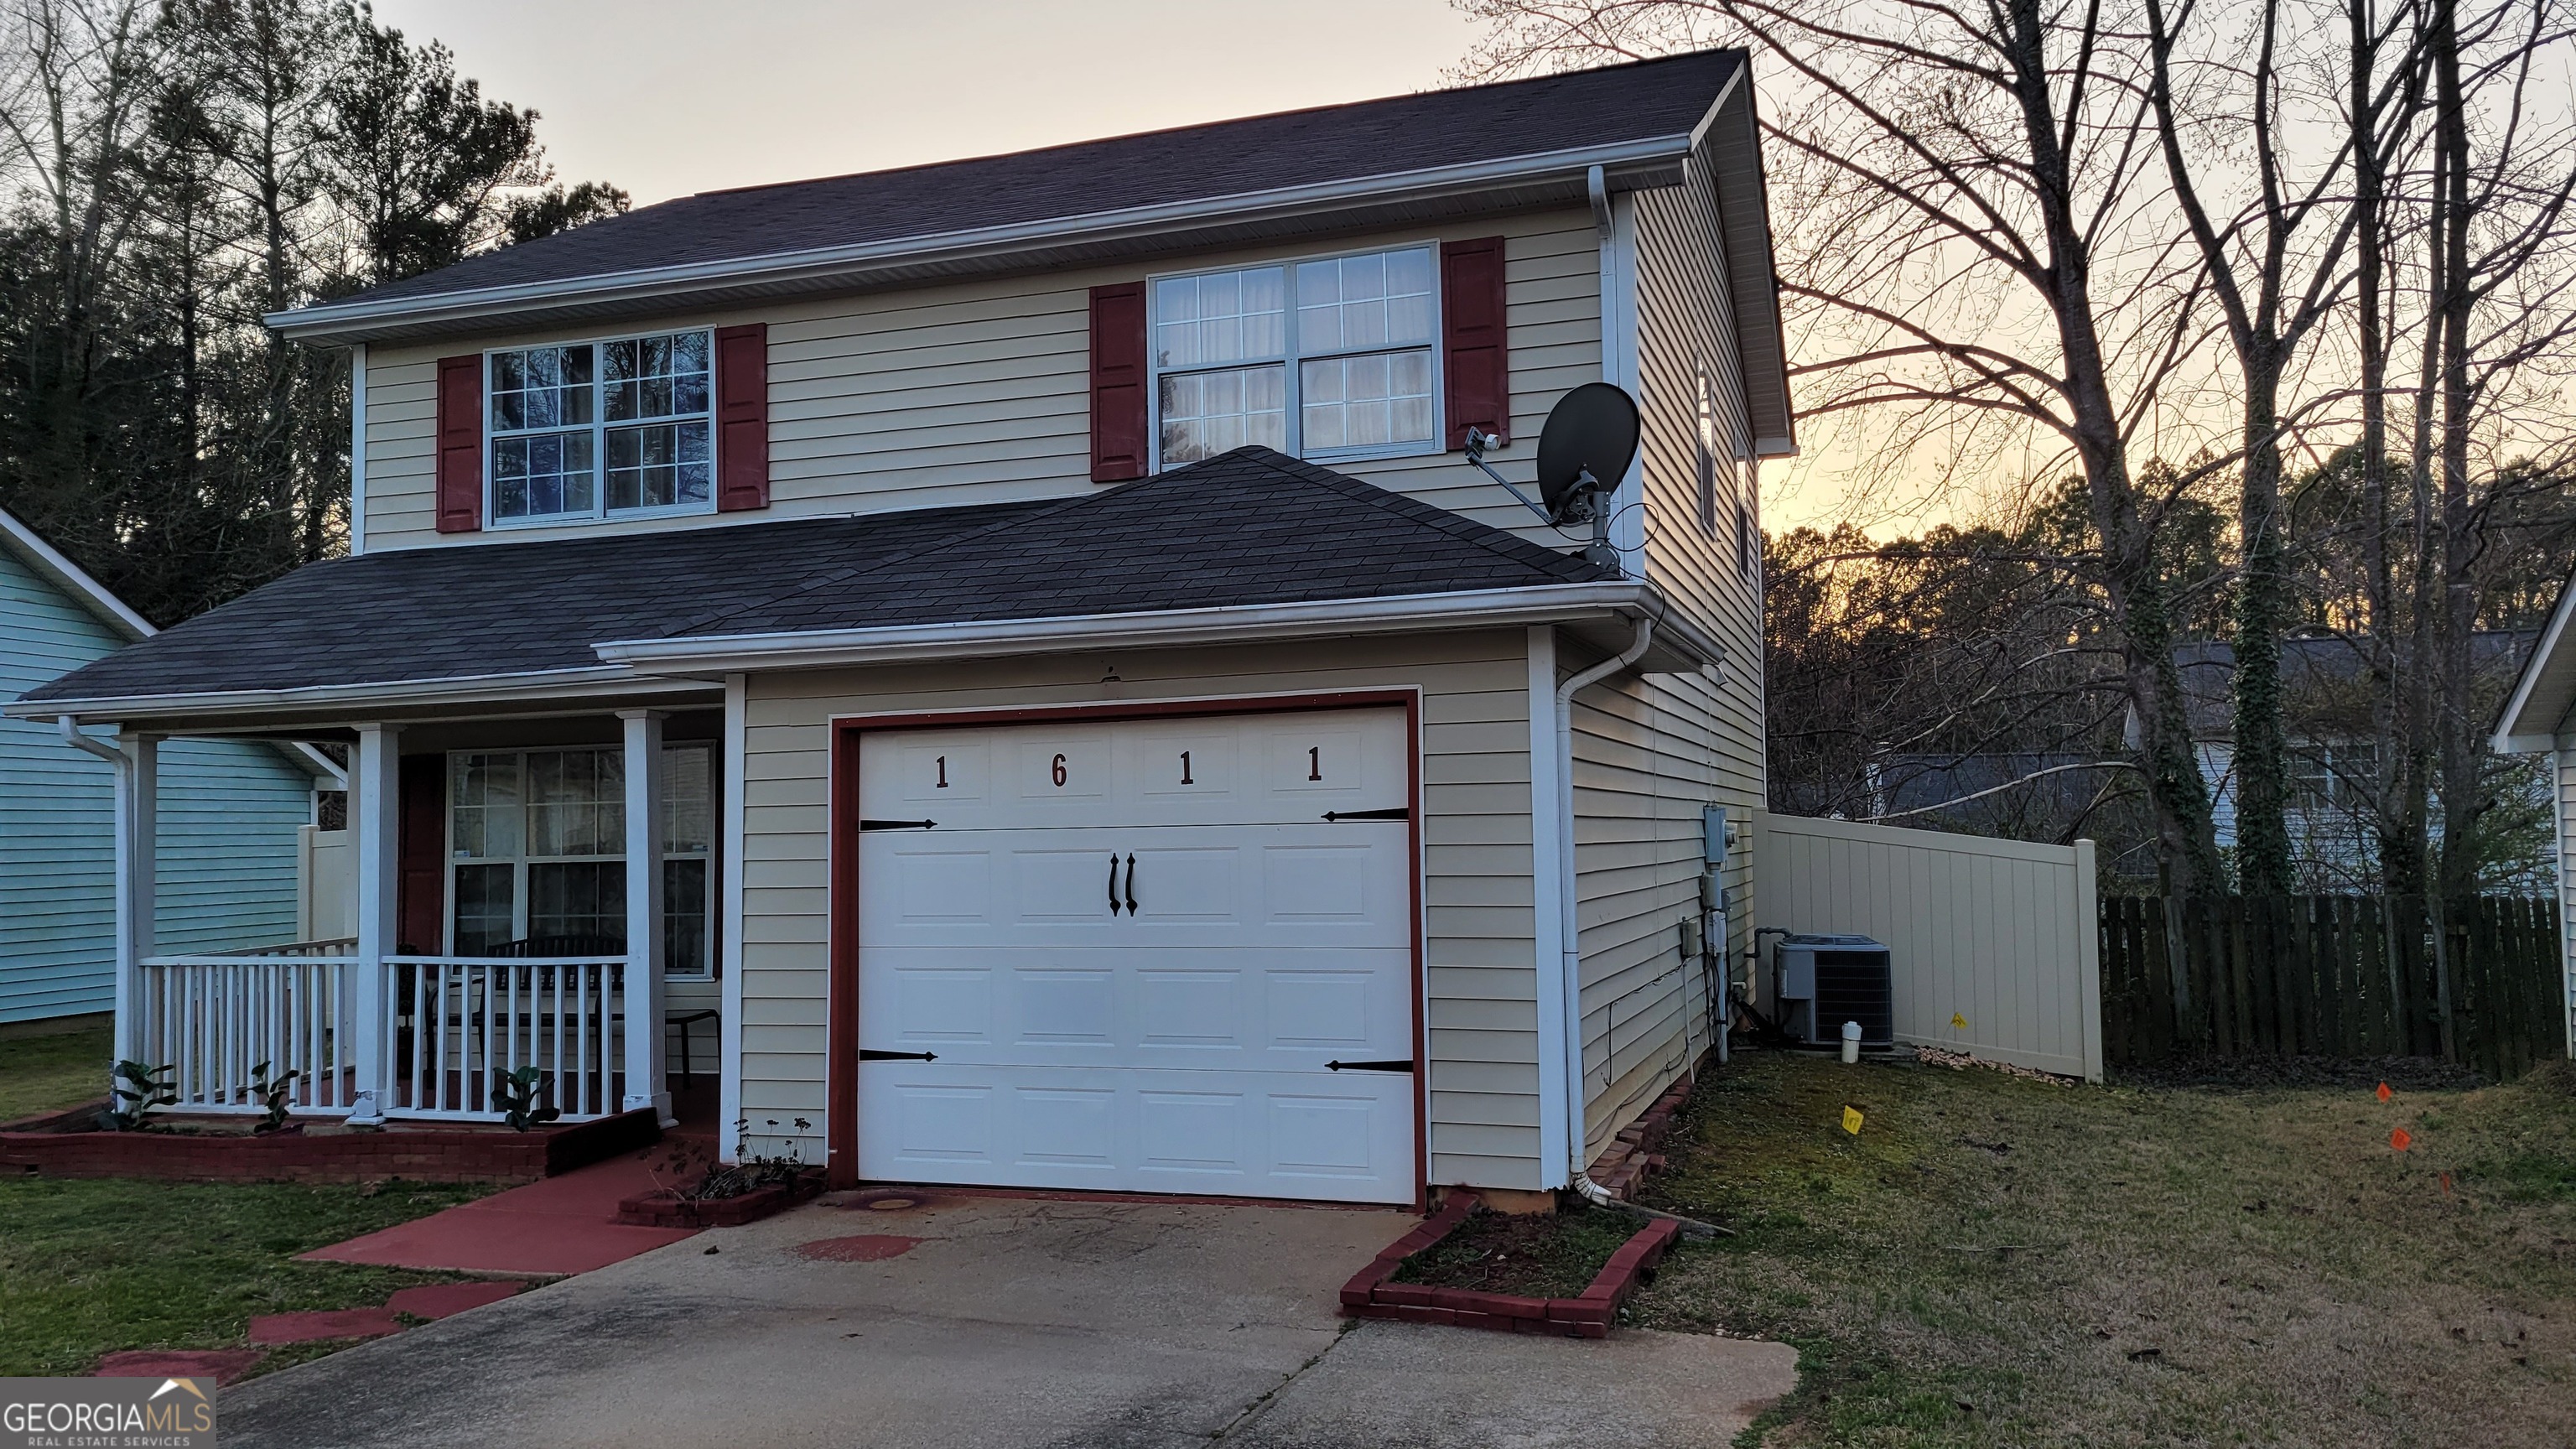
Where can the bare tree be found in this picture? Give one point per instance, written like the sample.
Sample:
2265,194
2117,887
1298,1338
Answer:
2277,265
2501,257
1984,171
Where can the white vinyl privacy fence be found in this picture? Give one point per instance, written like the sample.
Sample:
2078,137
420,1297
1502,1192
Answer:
1996,943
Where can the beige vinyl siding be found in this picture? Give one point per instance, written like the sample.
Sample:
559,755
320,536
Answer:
978,392
1479,974
1650,751
402,448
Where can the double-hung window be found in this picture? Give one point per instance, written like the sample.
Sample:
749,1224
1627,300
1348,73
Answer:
601,429
537,846
1326,358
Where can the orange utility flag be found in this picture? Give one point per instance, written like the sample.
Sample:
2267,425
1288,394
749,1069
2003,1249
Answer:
1851,1120
2401,1139
2383,1093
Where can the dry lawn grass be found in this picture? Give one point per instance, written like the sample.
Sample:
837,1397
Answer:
1995,1261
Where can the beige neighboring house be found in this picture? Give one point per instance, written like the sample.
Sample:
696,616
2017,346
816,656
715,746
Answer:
1011,654
2539,718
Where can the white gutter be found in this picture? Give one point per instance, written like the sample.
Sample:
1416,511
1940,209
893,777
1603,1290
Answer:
1568,925
1486,608
328,320
547,684
696,665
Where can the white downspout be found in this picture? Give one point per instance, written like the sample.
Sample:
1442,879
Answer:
1570,973
73,736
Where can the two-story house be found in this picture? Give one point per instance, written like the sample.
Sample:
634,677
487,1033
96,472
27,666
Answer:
1018,640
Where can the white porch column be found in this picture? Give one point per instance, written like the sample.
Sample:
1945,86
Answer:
645,1082
138,830
737,737
375,820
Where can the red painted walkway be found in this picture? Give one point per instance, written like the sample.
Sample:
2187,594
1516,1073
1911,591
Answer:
564,1224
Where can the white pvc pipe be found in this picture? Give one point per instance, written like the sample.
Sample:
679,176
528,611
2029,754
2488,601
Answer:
1568,939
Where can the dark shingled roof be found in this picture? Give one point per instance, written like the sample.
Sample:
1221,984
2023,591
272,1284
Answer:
1191,163
1250,527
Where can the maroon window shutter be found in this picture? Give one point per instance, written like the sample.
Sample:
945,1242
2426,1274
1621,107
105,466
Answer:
742,417
1471,308
1118,373
420,857
460,444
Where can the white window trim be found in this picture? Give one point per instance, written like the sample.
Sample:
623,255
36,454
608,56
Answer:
1294,424
519,863
599,426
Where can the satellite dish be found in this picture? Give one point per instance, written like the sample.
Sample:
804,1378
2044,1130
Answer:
1590,438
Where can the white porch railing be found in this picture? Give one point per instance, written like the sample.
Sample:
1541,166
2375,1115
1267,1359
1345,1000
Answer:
216,1019
451,1026
454,1024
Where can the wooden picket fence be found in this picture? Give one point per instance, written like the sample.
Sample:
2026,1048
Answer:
2346,976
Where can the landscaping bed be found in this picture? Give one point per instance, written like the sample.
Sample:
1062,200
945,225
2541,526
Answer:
669,1208
1410,1279
1536,1255
1994,1261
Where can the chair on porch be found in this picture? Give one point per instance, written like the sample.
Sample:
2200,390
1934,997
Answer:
406,999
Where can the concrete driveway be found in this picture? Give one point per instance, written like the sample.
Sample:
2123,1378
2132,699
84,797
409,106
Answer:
1010,1322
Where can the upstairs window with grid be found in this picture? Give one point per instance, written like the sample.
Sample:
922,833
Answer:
1325,358
601,429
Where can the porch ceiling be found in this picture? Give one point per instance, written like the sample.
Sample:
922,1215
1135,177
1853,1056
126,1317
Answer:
492,628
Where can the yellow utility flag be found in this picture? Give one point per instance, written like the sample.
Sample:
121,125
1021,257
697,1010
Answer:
1851,1120
1958,1022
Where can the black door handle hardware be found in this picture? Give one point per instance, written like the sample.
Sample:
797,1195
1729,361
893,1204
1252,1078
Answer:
1368,1066
1113,882
897,824
866,1055
1131,885
1396,812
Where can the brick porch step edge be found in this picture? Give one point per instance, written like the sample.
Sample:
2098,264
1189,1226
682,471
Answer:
1369,1295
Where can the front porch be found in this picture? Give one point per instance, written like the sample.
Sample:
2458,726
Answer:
530,912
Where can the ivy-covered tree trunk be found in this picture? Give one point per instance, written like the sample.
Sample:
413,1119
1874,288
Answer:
2263,862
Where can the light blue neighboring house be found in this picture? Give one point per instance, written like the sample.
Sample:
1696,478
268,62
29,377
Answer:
229,811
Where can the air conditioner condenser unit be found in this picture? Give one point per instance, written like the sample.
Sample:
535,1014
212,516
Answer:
1820,982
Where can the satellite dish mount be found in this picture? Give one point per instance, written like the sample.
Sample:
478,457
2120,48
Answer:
1589,441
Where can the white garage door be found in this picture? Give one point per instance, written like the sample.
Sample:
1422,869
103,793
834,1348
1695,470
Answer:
1139,956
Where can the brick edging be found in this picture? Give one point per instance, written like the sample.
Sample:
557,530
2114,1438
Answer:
414,1154
1369,1295
661,1209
